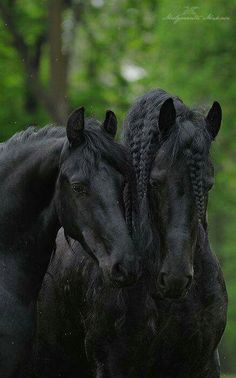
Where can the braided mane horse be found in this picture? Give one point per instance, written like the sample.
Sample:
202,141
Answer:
170,146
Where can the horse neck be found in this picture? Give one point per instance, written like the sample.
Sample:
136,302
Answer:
28,220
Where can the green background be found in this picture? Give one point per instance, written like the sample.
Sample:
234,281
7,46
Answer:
60,54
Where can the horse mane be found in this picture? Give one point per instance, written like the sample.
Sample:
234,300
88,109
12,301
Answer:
32,134
142,137
191,140
97,144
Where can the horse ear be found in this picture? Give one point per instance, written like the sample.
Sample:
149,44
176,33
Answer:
75,126
214,118
110,123
167,117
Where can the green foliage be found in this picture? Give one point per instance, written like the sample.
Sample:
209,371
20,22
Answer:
193,58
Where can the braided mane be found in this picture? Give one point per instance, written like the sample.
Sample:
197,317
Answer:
195,167
141,135
188,138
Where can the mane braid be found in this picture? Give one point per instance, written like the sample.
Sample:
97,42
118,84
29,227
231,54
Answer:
195,153
149,144
137,138
195,166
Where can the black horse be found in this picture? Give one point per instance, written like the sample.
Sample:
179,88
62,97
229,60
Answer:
48,180
170,147
170,322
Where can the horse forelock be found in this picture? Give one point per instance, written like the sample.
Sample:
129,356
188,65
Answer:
97,145
191,142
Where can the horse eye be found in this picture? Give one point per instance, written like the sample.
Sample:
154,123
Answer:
81,189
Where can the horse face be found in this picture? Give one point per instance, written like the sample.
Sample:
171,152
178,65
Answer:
177,224
180,179
89,204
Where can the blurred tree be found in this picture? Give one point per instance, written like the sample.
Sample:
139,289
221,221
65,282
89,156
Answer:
47,29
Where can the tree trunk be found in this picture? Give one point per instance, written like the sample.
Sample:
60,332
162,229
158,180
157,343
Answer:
58,61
